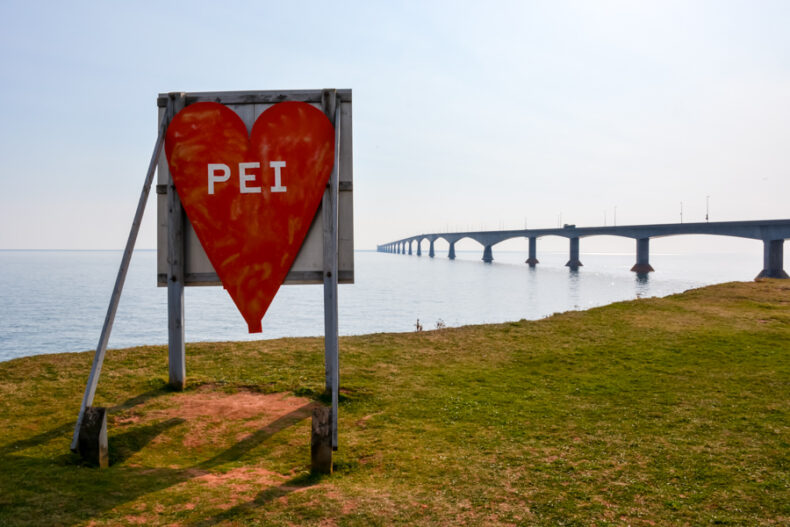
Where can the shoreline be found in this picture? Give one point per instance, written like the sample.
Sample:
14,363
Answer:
429,326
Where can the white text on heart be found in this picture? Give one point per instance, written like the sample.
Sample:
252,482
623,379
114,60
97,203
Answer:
220,172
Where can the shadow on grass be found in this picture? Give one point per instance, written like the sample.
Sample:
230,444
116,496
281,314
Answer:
123,446
259,436
62,483
239,512
55,433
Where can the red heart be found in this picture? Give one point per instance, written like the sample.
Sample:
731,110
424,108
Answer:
250,222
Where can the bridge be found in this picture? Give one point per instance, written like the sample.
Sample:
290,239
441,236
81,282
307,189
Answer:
772,232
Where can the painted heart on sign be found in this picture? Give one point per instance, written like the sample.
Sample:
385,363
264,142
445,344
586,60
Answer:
251,199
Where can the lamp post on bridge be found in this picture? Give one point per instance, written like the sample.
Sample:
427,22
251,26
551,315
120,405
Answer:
707,208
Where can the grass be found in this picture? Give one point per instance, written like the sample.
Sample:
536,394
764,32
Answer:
670,411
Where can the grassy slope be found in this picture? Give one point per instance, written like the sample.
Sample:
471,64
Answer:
672,411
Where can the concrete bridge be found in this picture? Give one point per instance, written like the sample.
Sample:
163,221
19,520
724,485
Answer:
772,232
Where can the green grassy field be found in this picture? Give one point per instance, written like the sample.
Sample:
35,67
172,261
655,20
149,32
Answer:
671,411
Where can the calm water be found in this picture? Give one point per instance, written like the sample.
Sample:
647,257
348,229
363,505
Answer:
55,301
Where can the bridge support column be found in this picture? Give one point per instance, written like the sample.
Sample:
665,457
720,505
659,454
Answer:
488,256
574,262
451,254
410,247
642,265
431,253
419,248
533,252
773,256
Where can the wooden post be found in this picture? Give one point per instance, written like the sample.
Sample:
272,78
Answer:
175,275
101,348
330,212
93,437
321,441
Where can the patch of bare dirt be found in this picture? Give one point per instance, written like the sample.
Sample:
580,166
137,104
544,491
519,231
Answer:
211,416
242,478
241,405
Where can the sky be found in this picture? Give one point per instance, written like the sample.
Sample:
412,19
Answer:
467,115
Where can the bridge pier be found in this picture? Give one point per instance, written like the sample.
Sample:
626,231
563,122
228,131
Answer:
488,256
773,256
451,254
419,248
574,262
642,265
431,252
410,247
533,252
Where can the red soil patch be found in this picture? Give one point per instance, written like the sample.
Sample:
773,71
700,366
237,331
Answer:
215,416
242,477
241,405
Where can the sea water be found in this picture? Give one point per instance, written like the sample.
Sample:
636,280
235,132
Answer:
56,301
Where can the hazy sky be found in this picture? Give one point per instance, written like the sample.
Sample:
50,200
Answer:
479,114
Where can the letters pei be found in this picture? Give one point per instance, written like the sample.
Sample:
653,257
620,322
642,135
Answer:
220,172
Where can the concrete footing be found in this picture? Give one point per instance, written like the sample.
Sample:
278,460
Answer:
321,441
92,443
773,260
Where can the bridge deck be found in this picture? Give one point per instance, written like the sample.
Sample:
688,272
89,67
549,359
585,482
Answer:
772,232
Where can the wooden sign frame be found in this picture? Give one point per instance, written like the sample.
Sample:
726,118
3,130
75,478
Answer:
308,266
326,256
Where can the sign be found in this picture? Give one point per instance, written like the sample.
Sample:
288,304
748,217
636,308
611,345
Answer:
249,106
251,200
